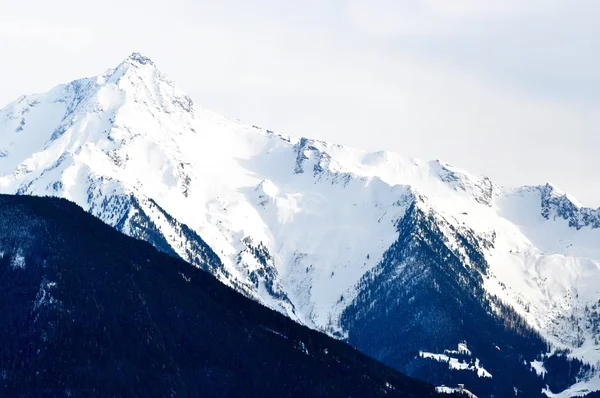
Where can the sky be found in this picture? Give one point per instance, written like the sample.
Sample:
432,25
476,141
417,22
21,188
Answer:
509,89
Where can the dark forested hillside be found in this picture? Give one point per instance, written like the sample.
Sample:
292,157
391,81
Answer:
85,310
425,299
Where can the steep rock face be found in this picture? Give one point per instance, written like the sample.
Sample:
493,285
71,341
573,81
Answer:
310,228
558,204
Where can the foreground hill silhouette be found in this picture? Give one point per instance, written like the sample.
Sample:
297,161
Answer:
86,310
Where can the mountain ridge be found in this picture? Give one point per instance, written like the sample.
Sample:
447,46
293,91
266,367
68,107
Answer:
295,223
89,311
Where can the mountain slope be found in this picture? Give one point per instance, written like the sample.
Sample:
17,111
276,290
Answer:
313,229
87,310
422,295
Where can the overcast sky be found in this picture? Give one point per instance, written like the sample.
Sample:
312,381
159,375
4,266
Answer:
505,88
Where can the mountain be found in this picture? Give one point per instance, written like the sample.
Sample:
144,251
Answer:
428,268
87,311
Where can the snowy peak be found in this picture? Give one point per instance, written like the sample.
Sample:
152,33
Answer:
481,189
102,115
137,58
143,83
556,204
135,64
301,225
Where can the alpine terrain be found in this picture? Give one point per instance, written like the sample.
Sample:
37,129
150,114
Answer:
88,311
436,272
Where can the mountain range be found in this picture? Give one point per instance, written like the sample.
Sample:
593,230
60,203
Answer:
428,268
88,311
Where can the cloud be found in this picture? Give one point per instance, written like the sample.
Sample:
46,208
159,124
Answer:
52,35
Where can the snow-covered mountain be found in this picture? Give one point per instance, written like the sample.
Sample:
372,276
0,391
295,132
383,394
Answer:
398,256
134,322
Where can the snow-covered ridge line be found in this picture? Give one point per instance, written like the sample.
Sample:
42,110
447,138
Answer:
293,223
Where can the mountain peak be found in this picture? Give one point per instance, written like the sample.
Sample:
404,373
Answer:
138,58
551,191
303,225
134,64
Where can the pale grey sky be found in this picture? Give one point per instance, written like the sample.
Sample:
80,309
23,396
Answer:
505,88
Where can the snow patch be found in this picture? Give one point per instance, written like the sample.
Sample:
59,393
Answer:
581,388
18,260
452,390
539,368
458,363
